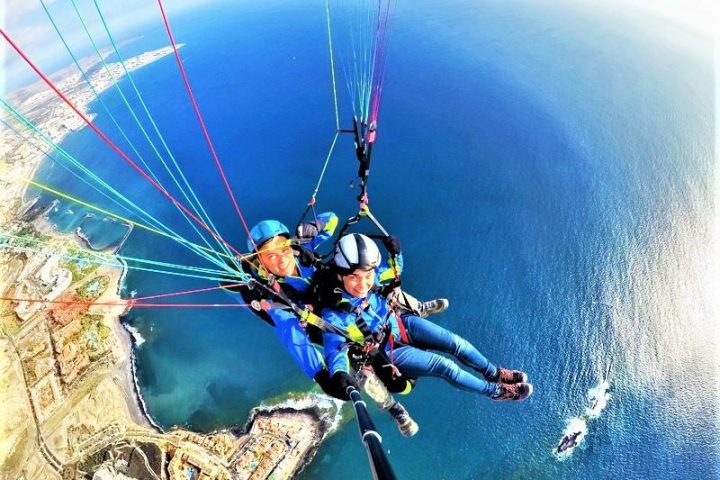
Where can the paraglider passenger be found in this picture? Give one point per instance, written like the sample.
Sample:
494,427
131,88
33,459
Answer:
406,339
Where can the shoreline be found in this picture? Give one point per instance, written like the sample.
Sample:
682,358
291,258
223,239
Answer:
135,384
128,380
106,411
51,115
44,225
126,374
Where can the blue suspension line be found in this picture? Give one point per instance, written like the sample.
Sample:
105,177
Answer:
109,257
114,264
202,212
19,116
137,121
95,93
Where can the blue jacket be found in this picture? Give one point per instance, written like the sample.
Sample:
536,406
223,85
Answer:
375,312
293,336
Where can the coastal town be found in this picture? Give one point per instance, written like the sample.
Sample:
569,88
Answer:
71,406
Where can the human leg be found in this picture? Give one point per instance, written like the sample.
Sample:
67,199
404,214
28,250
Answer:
376,389
413,306
427,335
415,362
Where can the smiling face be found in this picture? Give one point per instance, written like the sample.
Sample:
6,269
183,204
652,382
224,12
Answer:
359,282
277,257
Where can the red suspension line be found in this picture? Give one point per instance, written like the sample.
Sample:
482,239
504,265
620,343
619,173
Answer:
115,147
128,303
184,292
199,116
190,305
132,301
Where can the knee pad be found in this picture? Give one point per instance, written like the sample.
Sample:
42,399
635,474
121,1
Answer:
409,385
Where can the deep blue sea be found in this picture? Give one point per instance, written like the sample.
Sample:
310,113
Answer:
549,168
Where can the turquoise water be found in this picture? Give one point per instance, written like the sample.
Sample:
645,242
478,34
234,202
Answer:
549,169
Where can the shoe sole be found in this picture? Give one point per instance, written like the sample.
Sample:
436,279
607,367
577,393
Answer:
523,379
409,430
520,396
530,391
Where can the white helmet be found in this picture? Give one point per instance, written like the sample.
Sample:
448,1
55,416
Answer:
356,251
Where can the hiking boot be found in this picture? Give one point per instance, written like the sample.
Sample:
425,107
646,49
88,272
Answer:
434,306
405,424
512,391
505,375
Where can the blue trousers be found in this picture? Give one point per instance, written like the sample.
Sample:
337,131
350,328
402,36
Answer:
415,360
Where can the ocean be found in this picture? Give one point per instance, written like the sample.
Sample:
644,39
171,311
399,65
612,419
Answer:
548,167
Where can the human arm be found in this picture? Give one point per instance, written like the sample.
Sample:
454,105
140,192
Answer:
336,352
392,267
248,294
336,385
314,233
296,341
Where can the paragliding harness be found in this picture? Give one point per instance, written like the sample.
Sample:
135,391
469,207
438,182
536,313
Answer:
366,349
372,352
307,319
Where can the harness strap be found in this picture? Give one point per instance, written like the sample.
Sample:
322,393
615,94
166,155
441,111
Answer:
404,338
352,333
362,324
375,343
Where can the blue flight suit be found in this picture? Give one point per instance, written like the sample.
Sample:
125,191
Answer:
291,334
412,338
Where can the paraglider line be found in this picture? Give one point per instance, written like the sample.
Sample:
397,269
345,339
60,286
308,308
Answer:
114,215
110,142
64,154
332,65
196,204
186,81
187,292
216,278
128,303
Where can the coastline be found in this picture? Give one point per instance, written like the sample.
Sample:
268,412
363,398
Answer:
141,414
126,371
90,400
127,376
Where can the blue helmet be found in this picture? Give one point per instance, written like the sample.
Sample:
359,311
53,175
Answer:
264,231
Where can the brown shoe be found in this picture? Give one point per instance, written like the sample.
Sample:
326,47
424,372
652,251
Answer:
506,375
513,391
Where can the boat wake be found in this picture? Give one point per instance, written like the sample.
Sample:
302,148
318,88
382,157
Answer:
598,398
573,435
577,428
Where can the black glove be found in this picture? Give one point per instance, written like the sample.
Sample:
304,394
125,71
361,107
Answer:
337,385
343,381
307,231
392,243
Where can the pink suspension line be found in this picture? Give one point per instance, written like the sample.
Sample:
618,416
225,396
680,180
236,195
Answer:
200,119
184,292
128,303
115,147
